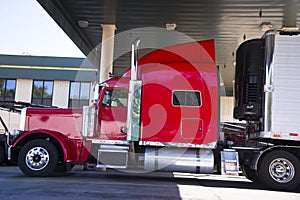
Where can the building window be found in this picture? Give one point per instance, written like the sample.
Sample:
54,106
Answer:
186,98
79,94
42,92
7,89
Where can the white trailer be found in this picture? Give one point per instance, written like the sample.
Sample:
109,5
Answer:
268,98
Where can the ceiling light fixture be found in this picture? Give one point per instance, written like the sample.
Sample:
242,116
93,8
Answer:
170,26
83,23
290,29
265,26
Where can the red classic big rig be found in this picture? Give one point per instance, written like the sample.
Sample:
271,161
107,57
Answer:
163,115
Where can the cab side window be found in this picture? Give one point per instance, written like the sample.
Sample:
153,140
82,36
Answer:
115,98
186,98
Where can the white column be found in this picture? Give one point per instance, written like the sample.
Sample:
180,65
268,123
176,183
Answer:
290,13
61,93
107,51
24,90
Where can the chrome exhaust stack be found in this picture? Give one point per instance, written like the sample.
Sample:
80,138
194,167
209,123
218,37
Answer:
134,96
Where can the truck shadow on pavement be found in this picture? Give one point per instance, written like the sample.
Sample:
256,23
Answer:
112,184
150,179
215,181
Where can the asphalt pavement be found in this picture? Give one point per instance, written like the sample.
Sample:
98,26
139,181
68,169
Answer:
123,185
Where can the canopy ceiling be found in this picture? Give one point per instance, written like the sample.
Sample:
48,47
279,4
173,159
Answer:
229,22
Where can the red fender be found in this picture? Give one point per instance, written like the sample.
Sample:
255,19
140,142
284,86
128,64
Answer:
63,140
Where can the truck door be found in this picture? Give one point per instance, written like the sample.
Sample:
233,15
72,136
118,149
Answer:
113,114
189,103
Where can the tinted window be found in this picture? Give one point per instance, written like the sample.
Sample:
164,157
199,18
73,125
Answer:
79,94
7,89
42,92
186,98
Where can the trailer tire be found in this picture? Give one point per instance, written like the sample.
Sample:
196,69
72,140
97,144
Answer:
38,158
2,155
279,170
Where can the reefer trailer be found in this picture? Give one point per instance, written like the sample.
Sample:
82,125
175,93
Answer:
163,115
267,96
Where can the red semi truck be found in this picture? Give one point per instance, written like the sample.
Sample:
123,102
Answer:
163,115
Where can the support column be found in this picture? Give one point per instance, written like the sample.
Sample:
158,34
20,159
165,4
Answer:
107,51
290,13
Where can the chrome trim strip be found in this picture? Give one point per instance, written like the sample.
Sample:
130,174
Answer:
112,142
99,166
173,144
268,88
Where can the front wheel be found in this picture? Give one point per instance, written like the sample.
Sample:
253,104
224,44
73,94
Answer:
280,170
38,158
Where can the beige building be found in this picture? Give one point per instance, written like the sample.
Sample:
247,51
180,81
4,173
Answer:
49,81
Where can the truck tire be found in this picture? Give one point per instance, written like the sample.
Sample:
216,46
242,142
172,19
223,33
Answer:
250,174
38,158
2,155
279,170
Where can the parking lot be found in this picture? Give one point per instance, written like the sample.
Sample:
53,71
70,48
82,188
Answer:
121,185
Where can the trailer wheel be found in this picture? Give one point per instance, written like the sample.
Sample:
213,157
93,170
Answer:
2,155
38,158
279,170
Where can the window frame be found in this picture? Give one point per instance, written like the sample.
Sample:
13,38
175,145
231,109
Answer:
78,101
195,91
4,97
42,102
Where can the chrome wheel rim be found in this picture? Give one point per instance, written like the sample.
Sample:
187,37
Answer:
282,170
37,158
